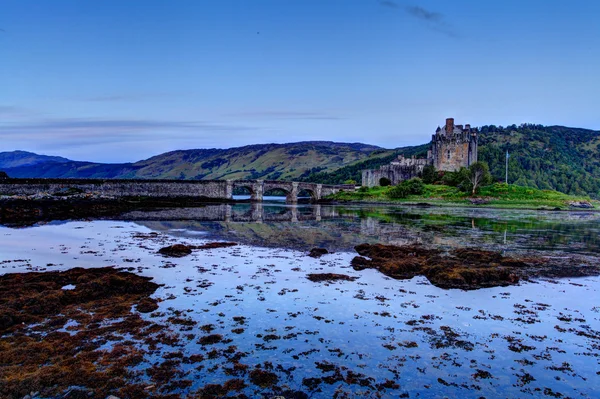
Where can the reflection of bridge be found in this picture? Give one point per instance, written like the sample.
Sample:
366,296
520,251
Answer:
255,212
196,189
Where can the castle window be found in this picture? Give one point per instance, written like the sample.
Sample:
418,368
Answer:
448,154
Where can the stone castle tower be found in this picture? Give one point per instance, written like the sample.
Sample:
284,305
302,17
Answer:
453,147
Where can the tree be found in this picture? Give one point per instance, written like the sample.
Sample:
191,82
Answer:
479,175
405,188
384,182
429,174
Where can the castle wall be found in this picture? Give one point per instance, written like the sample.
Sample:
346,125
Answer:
453,147
451,155
395,172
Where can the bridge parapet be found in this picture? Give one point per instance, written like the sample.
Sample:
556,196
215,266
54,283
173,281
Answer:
211,189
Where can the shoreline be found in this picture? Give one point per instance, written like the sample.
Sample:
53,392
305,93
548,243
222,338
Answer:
451,204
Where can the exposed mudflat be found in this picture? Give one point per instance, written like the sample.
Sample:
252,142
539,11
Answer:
467,268
252,321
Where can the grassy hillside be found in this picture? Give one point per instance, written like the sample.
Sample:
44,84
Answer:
354,171
545,157
268,161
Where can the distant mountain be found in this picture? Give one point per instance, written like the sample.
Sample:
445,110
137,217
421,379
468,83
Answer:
15,159
262,161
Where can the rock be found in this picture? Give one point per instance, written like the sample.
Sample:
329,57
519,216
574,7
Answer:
263,378
26,396
317,252
464,268
176,251
359,263
111,397
581,204
210,339
318,277
3,175
147,305
478,201
212,245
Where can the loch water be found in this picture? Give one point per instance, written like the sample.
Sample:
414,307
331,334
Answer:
375,336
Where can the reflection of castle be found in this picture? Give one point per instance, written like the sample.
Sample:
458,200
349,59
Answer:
452,147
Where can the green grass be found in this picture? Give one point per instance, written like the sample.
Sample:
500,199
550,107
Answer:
498,195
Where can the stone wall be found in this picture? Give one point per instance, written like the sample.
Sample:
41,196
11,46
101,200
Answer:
117,188
399,170
210,189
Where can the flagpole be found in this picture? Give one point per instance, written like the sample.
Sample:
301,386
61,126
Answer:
506,180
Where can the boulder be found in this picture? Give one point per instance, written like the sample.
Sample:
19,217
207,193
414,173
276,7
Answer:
177,250
581,204
317,252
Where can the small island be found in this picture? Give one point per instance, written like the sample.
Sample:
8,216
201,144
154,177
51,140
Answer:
451,175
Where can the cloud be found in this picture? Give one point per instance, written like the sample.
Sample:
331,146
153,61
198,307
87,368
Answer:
129,97
275,114
12,111
111,98
77,130
387,3
422,13
433,20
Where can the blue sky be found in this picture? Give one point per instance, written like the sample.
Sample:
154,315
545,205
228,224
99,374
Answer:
115,81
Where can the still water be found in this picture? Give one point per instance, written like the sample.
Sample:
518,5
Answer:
372,337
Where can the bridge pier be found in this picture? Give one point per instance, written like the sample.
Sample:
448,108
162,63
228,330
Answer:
257,191
229,190
292,197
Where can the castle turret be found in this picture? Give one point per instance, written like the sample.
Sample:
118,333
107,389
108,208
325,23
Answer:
449,126
453,147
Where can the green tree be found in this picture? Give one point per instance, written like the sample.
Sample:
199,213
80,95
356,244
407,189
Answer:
429,174
405,188
384,182
479,175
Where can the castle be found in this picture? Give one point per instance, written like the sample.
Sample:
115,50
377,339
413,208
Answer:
452,147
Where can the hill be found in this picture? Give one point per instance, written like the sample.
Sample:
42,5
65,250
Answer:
15,159
262,161
544,157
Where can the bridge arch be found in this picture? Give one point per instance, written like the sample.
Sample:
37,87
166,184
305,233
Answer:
254,187
312,194
290,188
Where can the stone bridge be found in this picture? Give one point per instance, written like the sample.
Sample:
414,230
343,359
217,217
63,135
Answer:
196,189
259,188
